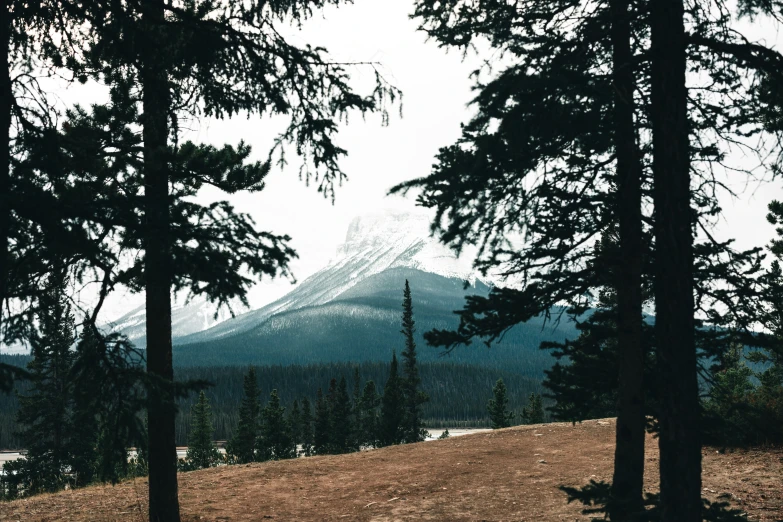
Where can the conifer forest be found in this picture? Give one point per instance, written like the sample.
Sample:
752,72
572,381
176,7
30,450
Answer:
235,232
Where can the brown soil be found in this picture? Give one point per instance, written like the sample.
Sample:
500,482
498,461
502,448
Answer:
504,475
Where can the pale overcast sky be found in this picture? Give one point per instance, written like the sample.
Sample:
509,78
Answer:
436,91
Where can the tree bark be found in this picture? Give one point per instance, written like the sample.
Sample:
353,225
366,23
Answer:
161,411
6,95
680,445
628,481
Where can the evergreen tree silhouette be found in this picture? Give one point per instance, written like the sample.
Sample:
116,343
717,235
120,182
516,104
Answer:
499,416
367,417
413,426
307,428
108,400
295,423
242,446
483,191
201,452
679,438
33,243
45,411
533,413
342,428
322,428
390,430
85,462
191,58
276,432
355,410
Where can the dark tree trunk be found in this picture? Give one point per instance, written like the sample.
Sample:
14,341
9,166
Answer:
5,156
679,440
161,411
628,480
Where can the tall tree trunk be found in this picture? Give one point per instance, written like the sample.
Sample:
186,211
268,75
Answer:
6,94
161,411
628,480
680,445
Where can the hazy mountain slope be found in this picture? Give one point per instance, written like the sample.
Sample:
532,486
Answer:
195,316
363,324
350,310
373,244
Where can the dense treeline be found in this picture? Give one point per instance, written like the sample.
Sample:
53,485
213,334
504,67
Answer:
458,393
452,390
363,325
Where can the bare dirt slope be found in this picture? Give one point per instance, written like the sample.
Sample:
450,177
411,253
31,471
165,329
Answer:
505,475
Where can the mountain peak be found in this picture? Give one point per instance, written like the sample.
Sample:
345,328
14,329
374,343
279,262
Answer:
374,243
379,228
391,239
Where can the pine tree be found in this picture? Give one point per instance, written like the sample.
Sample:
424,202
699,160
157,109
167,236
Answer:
190,58
392,408
322,428
484,190
533,413
35,244
45,411
413,426
275,431
367,417
499,416
295,422
84,459
241,447
307,428
355,407
108,400
342,429
202,452
680,445
357,387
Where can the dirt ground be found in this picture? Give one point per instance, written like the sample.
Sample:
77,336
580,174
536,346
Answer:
504,475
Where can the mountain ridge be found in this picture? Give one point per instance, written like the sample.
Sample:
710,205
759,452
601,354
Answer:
374,243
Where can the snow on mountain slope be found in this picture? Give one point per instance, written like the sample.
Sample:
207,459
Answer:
186,318
374,243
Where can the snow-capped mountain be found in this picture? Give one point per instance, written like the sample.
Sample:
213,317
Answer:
374,243
186,318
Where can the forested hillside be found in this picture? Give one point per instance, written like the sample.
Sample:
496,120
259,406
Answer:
458,392
363,324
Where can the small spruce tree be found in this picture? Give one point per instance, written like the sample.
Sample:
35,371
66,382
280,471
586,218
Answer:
241,448
202,452
499,416
275,431
356,410
107,401
322,429
342,430
45,410
412,424
367,417
392,408
295,422
84,460
533,413
307,428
